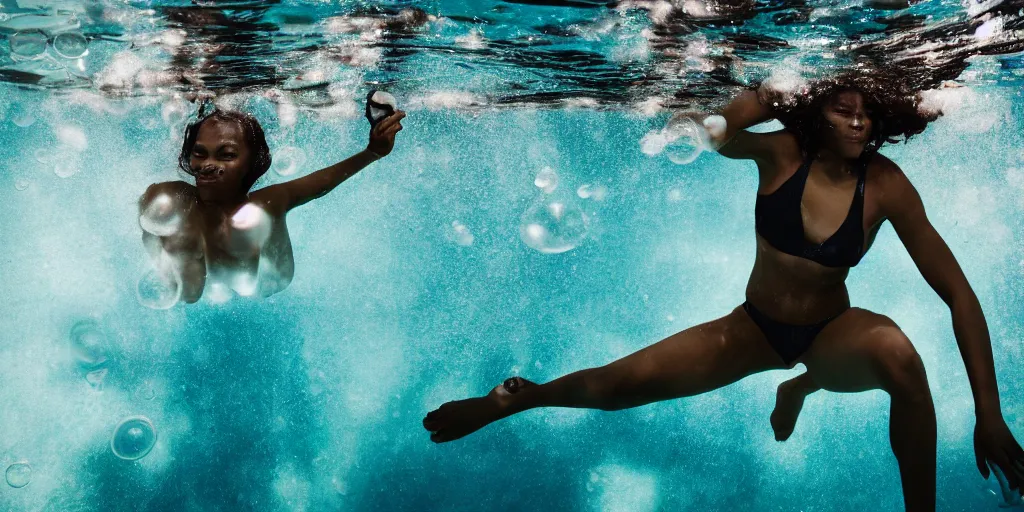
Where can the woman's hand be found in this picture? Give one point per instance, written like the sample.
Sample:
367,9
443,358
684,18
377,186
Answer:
994,444
382,136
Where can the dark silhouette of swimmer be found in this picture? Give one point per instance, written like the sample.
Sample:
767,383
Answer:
219,234
824,191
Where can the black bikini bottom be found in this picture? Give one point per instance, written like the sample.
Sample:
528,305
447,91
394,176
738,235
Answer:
789,341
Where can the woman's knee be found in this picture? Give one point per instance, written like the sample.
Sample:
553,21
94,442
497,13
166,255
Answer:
901,370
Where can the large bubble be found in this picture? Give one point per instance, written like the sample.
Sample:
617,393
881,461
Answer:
161,217
88,344
29,44
133,438
685,140
19,474
553,224
71,45
159,289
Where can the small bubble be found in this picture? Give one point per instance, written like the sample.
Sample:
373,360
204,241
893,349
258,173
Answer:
24,119
19,474
43,156
546,180
88,344
133,438
289,160
21,184
460,234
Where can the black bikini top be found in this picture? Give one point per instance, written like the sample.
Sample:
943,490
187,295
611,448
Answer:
778,220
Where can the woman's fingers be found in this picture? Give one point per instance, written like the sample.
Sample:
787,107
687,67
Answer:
390,121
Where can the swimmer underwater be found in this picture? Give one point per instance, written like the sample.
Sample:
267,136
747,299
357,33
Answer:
219,233
824,191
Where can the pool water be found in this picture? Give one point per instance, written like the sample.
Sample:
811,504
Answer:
525,224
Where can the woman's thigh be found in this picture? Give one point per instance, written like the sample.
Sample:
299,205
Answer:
699,359
861,350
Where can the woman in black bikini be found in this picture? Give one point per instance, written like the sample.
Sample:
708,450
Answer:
809,233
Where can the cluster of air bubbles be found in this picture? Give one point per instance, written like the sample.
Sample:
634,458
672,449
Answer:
553,223
89,350
18,474
289,160
133,438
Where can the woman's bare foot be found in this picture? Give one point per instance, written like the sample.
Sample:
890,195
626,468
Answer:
789,399
463,417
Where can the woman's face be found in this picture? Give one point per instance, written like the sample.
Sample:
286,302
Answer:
848,124
220,160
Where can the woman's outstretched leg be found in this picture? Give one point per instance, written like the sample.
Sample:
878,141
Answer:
694,361
861,350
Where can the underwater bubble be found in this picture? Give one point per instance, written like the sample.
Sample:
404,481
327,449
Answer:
289,160
29,44
88,344
159,290
546,180
460,234
553,226
595,192
71,45
66,167
133,438
4,17
160,217
21,184
24,118
43,156
685,140
19,474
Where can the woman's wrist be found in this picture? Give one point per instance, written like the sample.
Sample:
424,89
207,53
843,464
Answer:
372,154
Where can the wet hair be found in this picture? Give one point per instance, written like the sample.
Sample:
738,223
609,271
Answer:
251,131
892,106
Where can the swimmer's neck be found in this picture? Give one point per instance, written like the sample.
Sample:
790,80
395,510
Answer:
221,205
836,166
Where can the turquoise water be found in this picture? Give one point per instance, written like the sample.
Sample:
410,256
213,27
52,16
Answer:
414,286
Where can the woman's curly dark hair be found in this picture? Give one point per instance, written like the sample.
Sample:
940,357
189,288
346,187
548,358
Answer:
892,106
251,130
